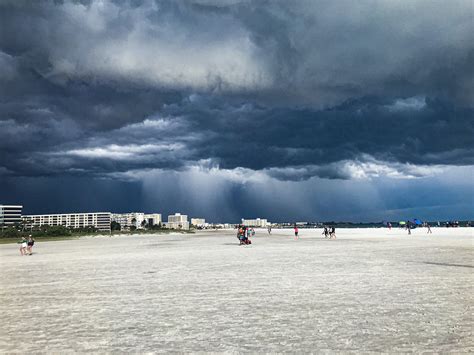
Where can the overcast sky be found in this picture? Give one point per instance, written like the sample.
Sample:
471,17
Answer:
223,109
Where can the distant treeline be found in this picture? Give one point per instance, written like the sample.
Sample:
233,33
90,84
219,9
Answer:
46,231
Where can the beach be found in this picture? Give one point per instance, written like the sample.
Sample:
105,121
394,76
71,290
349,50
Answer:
368,290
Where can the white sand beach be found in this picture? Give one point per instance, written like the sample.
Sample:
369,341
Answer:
368,290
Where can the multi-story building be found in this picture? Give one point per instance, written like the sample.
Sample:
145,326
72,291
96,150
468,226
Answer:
10,215
177,221
136,219
99,220
301,223
199,222
152,219
259,222
127,220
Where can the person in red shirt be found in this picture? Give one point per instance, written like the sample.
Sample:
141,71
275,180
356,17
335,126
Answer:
296,232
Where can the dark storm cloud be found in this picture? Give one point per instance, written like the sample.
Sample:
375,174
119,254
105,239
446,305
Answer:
416,130
320,52
91,87
292,144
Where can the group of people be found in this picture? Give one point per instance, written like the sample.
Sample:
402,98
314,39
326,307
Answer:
408,226
26,245
244,233
329,232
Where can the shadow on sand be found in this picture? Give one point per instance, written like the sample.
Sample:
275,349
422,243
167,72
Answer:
446,264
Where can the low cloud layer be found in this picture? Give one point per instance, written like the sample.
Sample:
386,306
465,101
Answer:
398,133
292,91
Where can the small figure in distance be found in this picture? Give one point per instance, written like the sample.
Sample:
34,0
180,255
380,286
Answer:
332,234
269,229
296,232
247,234
326,232
240,234
408,228
30,244
429,228
23,246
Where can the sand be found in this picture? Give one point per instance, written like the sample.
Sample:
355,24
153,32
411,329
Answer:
368,290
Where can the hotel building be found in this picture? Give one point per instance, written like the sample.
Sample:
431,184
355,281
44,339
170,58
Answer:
136,219
127,220
10,214
198,222
262,223
99,220
152,219
178,221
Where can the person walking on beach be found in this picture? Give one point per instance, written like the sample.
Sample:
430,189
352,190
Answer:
332,235
269,229
30,244
408,228
296,232
326,232
429,228
23,246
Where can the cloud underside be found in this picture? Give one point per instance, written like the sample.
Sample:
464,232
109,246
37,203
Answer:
362,139
290,90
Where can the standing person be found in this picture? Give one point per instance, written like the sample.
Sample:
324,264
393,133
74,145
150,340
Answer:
269,229
296,232
408,228
333,232
240,234
248,234
30,244
23,246
389,226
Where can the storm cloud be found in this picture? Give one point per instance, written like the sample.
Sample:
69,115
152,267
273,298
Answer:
298,93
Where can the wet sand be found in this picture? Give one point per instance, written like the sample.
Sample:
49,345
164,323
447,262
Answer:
368,290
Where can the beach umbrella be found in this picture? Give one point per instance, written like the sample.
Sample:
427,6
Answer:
417,221
402,223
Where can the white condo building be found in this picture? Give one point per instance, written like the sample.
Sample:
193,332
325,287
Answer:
127,220
99,220
152,219
136,219
178,221
258,222
10,214
198,222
